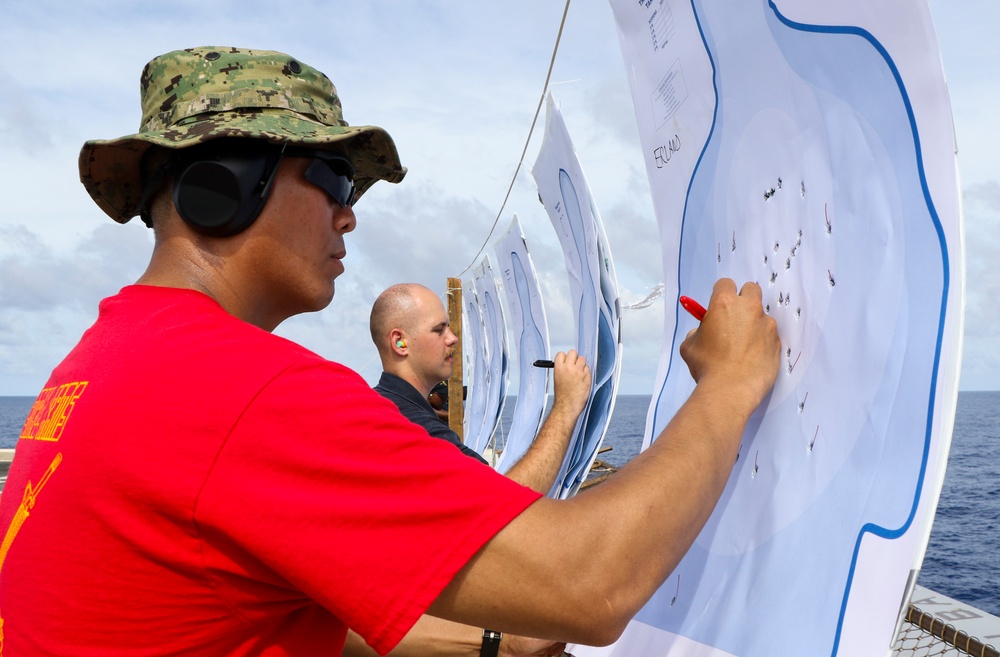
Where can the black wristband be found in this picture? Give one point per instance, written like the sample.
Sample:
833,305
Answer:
491,643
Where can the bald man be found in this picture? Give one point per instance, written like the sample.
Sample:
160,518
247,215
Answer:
411,330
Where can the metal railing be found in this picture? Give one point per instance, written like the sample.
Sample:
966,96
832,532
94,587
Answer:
924,635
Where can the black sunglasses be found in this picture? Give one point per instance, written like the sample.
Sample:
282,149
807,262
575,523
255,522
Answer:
331,172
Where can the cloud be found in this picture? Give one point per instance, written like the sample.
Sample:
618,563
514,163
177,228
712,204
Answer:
460,123
48,297
981,360
420,234
34,276
22,126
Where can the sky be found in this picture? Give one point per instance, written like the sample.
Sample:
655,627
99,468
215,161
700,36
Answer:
457,85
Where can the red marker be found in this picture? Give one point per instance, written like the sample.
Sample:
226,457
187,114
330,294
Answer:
692,307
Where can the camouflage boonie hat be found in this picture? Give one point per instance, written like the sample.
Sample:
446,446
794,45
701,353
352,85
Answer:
192,96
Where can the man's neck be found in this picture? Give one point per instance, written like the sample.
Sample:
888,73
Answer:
412,378
178,263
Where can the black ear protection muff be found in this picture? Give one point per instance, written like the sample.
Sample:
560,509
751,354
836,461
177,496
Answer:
221,187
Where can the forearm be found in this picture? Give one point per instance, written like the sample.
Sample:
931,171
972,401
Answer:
656,506
540,465
585,565
435,637
430,637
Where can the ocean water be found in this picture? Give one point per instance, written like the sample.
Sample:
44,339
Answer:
963,556
13,413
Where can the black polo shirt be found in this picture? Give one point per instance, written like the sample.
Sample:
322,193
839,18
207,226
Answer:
418,410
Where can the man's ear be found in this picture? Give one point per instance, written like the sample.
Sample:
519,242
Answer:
397,342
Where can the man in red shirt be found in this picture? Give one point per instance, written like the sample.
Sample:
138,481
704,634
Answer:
189,483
